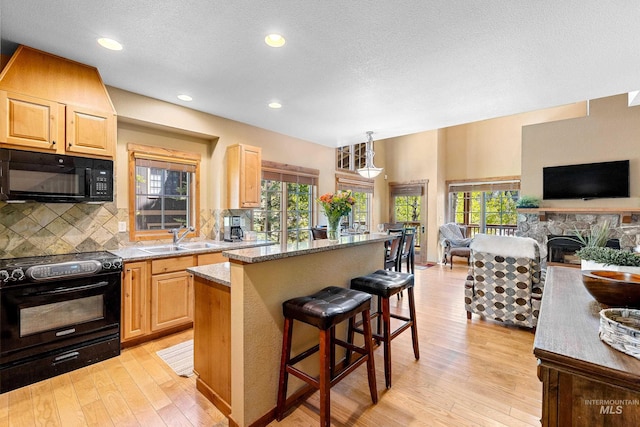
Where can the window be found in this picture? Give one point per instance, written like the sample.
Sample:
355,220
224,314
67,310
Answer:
486,207
351,157
362,190
286,205
163,194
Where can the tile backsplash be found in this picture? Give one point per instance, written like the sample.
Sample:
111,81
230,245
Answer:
34,229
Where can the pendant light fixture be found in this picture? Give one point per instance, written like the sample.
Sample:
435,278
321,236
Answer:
369,170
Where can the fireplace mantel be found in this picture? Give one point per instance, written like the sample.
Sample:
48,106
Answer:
625,213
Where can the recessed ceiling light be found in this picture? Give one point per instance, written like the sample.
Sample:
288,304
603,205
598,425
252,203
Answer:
185,98
109,44
275,105
275,40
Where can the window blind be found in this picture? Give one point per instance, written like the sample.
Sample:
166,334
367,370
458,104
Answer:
289,173
352,182
468,187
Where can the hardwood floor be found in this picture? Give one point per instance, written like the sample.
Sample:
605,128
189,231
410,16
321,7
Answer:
470,373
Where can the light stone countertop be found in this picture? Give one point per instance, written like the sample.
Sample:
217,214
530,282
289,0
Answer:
218,273
137,253
279,251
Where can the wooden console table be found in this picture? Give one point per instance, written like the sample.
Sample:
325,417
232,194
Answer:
585,381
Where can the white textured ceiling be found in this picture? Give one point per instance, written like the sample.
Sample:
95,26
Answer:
349,66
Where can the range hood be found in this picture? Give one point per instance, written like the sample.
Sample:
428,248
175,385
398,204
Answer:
46,76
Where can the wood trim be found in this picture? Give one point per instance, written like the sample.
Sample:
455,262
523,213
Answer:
213,397
159,153
489,179
165,154
287,168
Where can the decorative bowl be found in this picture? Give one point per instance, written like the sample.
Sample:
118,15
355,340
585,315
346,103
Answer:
613,288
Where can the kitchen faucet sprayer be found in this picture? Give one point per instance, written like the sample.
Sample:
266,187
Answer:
177,239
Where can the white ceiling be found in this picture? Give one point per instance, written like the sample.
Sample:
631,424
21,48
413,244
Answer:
349,66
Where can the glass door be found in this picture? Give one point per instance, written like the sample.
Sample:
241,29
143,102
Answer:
409,207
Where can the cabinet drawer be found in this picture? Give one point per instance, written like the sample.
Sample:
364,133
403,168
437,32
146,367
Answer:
212,258
166,265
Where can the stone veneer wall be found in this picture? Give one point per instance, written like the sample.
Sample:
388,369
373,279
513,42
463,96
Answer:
529,225
34,229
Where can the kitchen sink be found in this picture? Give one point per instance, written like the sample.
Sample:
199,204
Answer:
163,249
199,245
179,248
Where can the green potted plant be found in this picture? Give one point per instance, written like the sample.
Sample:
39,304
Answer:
604,258
528,202
594,255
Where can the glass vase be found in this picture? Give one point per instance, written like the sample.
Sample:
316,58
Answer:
333,230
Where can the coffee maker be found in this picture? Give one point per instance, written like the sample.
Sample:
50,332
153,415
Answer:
232,229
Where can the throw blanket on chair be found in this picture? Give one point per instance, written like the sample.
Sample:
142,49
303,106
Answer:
451,232
520,247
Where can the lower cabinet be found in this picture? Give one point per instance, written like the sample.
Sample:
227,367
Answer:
171,300
135,300
158,295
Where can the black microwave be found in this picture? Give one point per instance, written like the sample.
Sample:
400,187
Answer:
54,178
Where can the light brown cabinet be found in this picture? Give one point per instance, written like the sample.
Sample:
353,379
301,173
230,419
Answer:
158,296
74,116
135,321
244,174
212,340
29,122
171,300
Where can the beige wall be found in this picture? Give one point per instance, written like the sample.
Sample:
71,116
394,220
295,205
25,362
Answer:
474,151
611,131
414,158
158,122
492,148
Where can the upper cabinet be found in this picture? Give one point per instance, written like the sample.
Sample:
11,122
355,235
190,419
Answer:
52,104
244,172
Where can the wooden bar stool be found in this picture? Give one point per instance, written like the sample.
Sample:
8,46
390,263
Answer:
385,284
324,310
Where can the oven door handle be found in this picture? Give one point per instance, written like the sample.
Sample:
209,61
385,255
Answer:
68,290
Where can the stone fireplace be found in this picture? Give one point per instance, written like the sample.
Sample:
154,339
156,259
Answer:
548,226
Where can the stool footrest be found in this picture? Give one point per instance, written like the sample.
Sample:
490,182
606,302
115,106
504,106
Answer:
335,379
304,354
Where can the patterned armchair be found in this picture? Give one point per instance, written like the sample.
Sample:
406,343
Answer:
505,280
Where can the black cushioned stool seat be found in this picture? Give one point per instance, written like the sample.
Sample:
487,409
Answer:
324,310
384,284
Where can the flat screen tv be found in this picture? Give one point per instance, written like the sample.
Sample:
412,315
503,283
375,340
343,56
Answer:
586,181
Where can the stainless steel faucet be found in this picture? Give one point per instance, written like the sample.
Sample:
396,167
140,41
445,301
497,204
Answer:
177,239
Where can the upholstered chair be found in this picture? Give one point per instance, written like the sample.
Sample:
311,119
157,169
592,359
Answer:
505,280
454,241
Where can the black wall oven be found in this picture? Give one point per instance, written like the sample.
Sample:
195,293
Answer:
57,314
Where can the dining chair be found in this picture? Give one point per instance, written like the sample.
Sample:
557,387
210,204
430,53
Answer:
408,250
319,233
394,249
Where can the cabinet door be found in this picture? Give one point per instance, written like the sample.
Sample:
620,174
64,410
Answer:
250,177
171,300
26,121
244,173
90,132
135,308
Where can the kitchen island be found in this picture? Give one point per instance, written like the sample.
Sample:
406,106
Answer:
239,322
